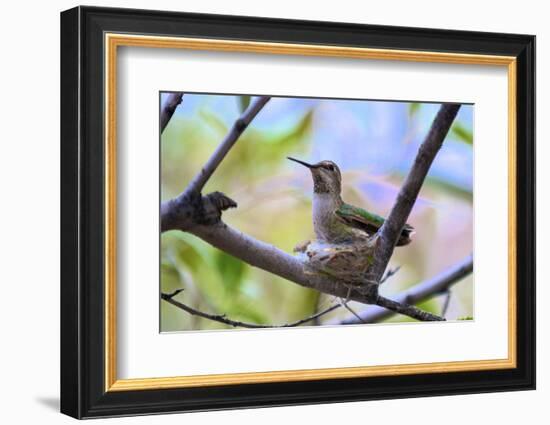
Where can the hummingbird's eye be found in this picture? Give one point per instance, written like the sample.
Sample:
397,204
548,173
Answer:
330,167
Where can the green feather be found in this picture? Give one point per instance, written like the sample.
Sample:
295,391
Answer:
348,211
369,222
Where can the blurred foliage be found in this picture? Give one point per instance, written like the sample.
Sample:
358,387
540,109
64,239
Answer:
413,108
462,133
374,144
244,101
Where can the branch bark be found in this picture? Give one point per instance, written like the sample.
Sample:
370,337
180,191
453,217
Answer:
406,309
406,198
418,293
172,102
271,259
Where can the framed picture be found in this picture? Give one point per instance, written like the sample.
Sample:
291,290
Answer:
261,212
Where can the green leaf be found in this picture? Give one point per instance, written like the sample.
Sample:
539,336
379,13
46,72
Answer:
413,108
231,270
244,101
431,306
169,277
462,133
185,242
299,130
213,121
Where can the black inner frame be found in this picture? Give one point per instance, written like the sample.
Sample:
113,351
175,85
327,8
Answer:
82,207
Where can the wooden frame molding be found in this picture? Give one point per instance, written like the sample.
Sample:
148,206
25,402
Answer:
114,40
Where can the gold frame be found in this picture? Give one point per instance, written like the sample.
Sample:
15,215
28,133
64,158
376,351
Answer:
113,41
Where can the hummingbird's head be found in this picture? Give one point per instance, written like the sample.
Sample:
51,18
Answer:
326,176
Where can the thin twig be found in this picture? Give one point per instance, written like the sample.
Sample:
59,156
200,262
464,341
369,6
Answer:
345,304
352,311
174,293
418,293
390,273
221,318
316,321
406,309
172,102
180,210
223,148
393,225
446,302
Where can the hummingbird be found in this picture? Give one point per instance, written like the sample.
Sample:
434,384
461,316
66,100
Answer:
336,222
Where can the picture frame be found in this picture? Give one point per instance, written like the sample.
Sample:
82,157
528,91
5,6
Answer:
90,40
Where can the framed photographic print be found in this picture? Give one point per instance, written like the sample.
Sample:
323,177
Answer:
261,212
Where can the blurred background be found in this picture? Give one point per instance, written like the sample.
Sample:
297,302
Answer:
373,142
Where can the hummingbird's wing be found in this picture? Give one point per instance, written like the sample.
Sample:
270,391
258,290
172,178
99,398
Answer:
369,222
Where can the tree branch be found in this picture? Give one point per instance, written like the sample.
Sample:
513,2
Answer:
223,148
406,198
172,102
389,274
418,293
200,215
180,211
446,303
221,318
406,309
271,259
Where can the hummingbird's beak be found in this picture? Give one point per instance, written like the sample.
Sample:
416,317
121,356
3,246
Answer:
305,164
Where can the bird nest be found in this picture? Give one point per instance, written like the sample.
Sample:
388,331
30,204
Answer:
348,262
